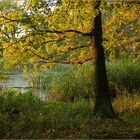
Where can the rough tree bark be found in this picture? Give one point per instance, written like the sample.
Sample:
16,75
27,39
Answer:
103,104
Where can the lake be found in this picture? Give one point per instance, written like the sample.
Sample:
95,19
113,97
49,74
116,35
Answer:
17,81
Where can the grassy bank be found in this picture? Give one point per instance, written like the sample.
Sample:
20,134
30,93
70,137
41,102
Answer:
26,116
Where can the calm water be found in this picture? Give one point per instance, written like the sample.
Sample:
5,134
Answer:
17,81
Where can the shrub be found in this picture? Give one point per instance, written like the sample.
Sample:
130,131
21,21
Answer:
13,102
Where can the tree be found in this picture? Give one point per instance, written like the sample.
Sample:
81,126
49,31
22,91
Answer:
68,32
102,99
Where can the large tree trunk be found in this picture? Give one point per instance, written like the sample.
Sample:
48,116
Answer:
103,104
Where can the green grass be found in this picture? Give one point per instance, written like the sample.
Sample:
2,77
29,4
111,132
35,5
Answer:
26,116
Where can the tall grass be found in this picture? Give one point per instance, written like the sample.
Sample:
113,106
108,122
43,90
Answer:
127,104
71,82
68,82
3,75
124,74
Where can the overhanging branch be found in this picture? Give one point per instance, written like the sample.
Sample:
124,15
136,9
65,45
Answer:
47,61
66,31
50,31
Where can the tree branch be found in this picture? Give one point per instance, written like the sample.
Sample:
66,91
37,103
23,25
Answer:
46,60
12,20
76,48
66,31
131,2
69,62
52,31
58,40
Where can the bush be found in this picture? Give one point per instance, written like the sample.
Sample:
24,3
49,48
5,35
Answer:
19,114
13,102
